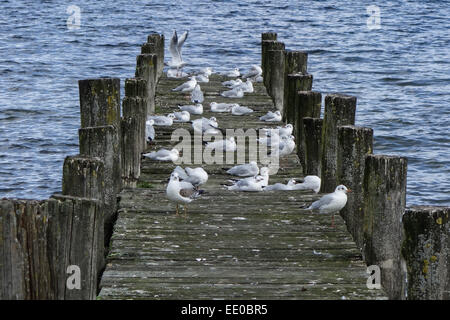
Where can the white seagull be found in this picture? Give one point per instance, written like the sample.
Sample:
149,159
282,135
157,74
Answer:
255,184
192,109
182,116
163,155
286,146
206,126
244,170
187,86
332,202
206,71
197,95
281,187
174,73
149,130
233,93
178,193
247,86
309,183
254,72
271,116
195,176
225,145
233,73
175,50
162,120
232,83
221,107
238,110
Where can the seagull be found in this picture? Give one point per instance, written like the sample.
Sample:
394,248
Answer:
206,126
309,183
187,86
202,78
221,107
264,173
253,185
162,120
281,187
182,116
271,116
271,140
149,130
279,130
232,83
244,170
332,202
233,93
233,73
192,109
174,73
163,155
224,145
178,193
286,146
197,95
258,79
206,71
238,110
195,176
247,87
175,50
254,72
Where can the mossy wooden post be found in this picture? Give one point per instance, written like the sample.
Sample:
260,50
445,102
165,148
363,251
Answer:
158,39
307,104
134,105
25,272
313,146
99,102
294,62
266,36
339,110
295,82
266,46
384,204
104,142
75,238
146,68
131,153
354,144
426,250
275,88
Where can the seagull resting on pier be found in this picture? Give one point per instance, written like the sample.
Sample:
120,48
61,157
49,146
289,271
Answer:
162,120
149,130
197,95
221,107
192,109
233,93
309,183
255,71
244,170
188,86
271,116
281,187
163,155
332,202
238,110
178,193
195,176
182,116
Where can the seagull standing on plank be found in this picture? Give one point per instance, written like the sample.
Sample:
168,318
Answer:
177,194
197,95
175,50
188,86
332,202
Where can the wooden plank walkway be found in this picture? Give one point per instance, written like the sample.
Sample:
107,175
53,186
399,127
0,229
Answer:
231,245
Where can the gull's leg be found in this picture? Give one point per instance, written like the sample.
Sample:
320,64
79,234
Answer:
185,210
177,208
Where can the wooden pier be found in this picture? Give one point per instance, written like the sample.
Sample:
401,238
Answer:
112,234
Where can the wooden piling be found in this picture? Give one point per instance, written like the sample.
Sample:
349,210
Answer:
266,36
266,46
339,110
99,102
384,204
426,250
275,88
134,105
146,68
104,142
307,104
295,82
131,151
312,128
354,143
159,40
295,62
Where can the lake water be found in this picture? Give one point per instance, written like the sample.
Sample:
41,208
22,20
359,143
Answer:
399,72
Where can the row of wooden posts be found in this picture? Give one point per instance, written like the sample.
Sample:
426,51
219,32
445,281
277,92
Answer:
410,244
45,245
41,240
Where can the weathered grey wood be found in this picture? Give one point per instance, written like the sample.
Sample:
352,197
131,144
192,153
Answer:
75,237
295,82
426,249
99,102
146,68
307,104
313,146
131,151
339,110
266,46
354,143
384,205
266,36
83,177
158,39
275,88
103,142
296,61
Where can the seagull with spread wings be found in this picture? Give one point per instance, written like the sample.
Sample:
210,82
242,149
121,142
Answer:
175,50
